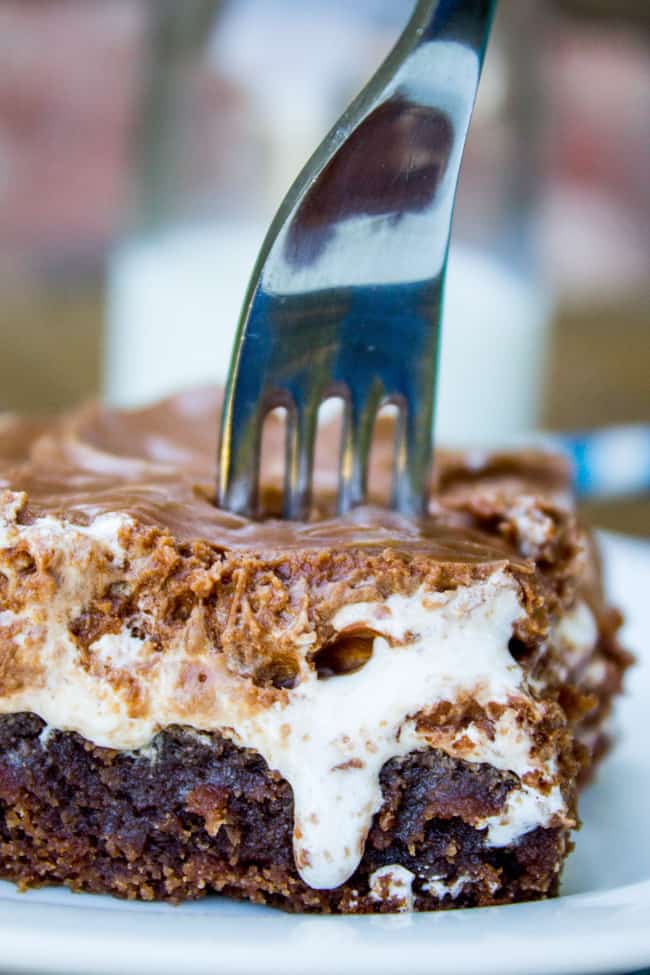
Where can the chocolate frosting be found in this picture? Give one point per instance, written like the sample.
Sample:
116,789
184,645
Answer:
158,465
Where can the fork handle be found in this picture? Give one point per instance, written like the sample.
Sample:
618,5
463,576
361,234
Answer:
465,20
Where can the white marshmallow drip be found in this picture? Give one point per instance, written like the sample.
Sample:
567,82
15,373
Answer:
393,883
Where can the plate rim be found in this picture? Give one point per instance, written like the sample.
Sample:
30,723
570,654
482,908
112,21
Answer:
120,937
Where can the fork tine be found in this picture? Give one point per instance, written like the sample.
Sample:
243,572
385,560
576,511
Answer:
239,467
413,452
360,416
302,426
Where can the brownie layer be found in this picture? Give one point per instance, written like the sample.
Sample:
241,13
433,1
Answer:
194,814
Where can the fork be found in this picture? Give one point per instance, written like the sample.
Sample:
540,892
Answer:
346,297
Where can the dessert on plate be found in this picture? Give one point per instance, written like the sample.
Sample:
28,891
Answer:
355,714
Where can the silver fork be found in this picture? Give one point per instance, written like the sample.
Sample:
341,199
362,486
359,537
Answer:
346,296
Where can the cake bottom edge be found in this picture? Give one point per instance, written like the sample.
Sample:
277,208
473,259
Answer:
193,814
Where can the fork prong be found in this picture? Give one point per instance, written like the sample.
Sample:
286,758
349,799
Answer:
239,467
302,426
413,454
360,416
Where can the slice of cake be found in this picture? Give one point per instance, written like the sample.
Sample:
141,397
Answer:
358,714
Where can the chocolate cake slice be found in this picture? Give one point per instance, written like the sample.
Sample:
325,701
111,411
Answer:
355,714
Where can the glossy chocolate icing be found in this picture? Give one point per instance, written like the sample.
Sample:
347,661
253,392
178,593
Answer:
158,465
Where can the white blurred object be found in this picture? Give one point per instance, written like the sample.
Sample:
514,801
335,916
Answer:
493,355
175,301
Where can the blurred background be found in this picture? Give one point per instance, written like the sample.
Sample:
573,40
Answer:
145,144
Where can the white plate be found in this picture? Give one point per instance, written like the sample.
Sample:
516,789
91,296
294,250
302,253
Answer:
601,923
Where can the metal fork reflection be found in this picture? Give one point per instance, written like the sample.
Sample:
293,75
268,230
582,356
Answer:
346,297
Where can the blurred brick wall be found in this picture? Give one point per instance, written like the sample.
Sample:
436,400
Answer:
67,79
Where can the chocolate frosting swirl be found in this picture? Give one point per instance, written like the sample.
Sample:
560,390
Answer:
158,465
